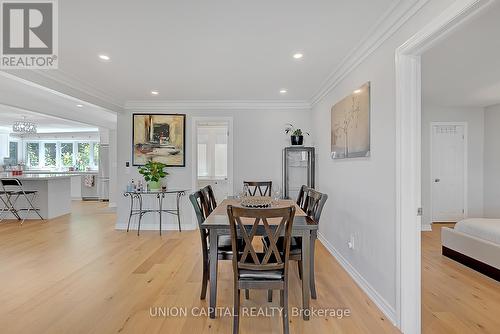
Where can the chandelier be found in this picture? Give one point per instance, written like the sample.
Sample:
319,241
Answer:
24,127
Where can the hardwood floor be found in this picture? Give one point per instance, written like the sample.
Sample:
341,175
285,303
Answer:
455,298
76,274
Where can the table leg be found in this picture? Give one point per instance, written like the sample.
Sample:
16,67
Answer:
306,259
213,271
139,197
178,211
312,277
160,207
131,210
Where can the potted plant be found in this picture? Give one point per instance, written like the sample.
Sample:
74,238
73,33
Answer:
153,172
297,136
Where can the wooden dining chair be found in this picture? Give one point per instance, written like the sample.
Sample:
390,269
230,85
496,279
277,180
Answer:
264,188
261,270
210,198
224,248
302,196
312,205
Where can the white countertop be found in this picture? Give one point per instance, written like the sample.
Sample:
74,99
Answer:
74,173
36,177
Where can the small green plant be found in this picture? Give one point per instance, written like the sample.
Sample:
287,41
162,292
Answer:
294,132
153,171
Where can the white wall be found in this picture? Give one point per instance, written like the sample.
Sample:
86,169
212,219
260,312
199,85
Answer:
114,192
492,162
474,117
258,143
362,198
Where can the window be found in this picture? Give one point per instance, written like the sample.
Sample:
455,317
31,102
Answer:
54,154
83,156
96,154
33,154
66,154
202,160
212,151
13,151
50,154
221,160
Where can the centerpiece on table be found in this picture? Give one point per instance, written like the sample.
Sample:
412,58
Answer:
153,173
297,136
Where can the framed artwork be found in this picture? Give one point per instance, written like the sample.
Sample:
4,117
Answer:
350,125
159,137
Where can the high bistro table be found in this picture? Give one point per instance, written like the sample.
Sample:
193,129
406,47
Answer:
160,195
217,224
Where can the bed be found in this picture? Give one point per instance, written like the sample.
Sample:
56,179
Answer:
474,242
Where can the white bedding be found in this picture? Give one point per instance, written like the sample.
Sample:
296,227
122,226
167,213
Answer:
483,228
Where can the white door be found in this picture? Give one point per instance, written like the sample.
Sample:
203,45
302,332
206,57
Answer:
448,172
213,159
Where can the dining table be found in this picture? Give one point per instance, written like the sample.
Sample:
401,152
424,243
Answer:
217,224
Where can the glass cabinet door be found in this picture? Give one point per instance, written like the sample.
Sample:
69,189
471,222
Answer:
298,170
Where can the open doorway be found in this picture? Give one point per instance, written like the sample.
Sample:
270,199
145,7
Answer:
213,149
445,312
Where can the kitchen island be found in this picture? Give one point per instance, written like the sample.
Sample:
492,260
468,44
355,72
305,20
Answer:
54,194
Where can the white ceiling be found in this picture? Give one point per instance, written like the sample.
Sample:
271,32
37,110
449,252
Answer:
45,124
463,70
23,95
206,50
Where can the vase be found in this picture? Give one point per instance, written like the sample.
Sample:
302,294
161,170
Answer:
154,185
297,140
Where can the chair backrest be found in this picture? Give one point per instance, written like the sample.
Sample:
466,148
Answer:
314,203
200,206
301,197
264,188
209,198
11,184
200,209
246,223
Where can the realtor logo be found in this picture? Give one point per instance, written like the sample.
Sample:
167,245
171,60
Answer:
29,34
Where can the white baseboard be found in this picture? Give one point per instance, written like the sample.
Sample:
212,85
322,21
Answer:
379,301
154,227
426,227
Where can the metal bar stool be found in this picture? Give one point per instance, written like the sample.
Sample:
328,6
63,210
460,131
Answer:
13,190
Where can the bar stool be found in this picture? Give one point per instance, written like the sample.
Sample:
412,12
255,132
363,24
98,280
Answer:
13,190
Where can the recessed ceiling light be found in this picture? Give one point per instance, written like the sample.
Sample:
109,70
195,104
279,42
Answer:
79,105
357,91
283,91
154,92
104,57
298,55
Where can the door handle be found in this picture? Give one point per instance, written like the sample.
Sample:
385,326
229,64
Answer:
437,180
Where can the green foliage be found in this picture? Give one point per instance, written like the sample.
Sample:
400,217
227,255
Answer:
83,156
96,153
50,154
294,132
67,154
153,171
32,150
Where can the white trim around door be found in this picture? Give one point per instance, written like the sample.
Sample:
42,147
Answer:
194,150
408,158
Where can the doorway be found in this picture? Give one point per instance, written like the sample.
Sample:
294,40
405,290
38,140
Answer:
408,157
213,147
448,171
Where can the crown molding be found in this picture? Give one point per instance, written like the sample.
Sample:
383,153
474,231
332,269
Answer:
164,105
78,85
398,13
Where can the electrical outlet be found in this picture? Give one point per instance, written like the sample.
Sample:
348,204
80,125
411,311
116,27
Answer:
351,243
